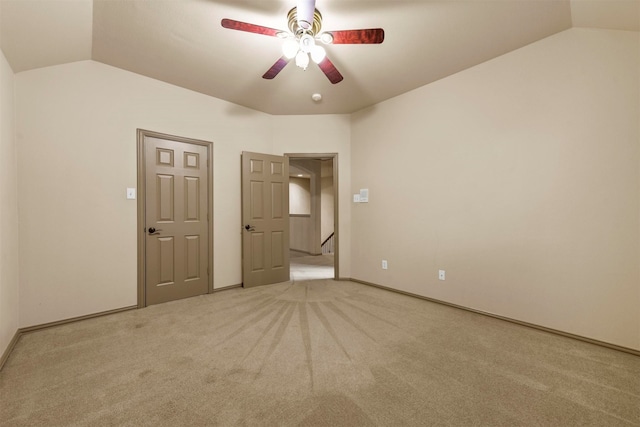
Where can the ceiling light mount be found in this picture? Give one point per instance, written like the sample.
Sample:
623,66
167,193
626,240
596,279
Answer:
313,28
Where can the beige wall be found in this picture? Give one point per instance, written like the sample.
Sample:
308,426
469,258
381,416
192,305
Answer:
77,154
299,196
8,210
320,134
300,233
520,178
308,240
300,228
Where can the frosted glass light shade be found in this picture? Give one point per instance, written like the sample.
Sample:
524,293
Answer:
302,60
317,54
290,48
326,38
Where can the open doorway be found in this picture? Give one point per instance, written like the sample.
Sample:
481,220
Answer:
313,216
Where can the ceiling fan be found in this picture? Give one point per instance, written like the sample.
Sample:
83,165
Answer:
305,29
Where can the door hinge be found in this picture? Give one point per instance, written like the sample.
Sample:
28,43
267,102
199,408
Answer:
208,271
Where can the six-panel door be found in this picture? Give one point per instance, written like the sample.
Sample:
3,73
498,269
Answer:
265,215
177,233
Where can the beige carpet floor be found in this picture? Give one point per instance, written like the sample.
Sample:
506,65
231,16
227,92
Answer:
312,353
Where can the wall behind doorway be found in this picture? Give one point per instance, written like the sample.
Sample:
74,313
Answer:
313,197
300,212
299,196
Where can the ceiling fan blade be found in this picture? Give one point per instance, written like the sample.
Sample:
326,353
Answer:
276,68
365,36
249,28
330,71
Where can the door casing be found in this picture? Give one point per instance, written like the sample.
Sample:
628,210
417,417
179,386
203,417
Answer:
336,210
141,196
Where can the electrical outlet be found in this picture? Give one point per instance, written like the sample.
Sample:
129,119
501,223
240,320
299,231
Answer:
441,274
384,264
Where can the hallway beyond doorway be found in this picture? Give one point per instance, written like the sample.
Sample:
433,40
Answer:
311,267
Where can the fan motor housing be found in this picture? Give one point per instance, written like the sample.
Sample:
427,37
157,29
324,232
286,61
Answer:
316,26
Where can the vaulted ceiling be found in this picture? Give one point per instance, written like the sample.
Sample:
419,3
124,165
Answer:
183,43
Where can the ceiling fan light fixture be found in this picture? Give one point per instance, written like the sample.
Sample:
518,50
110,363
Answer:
302,60
303,38
290,48
318,54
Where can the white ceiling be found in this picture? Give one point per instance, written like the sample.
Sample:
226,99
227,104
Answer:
183,43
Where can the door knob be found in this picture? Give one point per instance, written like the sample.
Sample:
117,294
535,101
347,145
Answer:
152,230
249,227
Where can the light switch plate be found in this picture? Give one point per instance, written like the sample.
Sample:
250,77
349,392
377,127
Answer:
356,198
131,193
364,195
